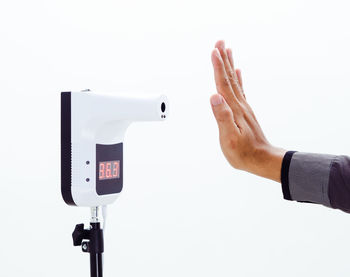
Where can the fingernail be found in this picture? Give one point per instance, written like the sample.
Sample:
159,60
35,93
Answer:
216,99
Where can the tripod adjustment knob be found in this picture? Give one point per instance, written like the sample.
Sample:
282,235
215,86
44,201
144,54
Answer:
78,234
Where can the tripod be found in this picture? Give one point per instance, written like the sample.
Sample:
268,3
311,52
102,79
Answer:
91,241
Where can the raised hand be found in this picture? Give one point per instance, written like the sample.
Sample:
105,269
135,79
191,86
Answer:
241,137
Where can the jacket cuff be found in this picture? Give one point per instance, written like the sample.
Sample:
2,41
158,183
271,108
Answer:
285,173
305,177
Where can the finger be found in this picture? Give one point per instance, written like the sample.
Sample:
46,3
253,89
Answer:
237,71
222,82
223,115
228,65
229,69
230,58
239,76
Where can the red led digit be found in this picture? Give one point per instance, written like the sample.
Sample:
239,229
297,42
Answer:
116,169
102,171
108,169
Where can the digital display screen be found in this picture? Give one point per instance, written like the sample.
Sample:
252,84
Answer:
109,170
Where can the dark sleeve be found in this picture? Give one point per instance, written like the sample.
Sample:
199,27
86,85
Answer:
317,178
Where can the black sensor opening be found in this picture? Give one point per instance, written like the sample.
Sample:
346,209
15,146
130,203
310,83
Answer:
162,107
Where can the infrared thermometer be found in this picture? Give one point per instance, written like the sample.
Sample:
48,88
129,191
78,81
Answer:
92,134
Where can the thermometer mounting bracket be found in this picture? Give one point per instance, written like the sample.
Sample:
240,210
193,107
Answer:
91,240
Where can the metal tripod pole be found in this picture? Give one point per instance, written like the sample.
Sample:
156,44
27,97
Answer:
96,250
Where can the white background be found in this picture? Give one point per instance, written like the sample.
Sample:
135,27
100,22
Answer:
184,211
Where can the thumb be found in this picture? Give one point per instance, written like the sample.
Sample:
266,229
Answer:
223,114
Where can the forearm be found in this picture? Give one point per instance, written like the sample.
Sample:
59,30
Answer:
305,177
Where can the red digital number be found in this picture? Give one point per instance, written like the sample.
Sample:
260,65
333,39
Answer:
108,170
102,171
116,169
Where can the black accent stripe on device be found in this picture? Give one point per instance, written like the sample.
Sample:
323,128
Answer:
66,148
285,174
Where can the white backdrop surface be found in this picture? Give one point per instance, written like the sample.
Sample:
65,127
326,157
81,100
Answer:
184,211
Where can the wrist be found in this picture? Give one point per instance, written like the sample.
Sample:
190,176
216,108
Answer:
268,162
